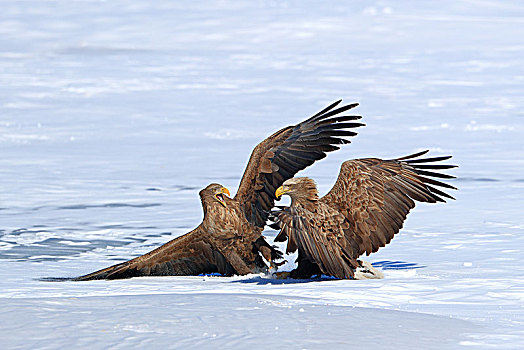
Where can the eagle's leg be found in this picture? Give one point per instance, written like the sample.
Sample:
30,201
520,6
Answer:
269,253
305,269
237,263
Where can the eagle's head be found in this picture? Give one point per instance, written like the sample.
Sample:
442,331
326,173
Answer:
214,193
298,188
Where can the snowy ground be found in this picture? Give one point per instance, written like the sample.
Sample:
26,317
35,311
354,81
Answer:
114,114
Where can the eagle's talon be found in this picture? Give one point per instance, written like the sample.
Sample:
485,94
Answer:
282,275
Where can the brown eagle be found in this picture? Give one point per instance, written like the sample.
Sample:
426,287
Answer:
365,208
229,240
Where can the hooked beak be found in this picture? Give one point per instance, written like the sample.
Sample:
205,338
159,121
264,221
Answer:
280,191
220,196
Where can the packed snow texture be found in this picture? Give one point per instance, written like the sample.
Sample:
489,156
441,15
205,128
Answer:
113,114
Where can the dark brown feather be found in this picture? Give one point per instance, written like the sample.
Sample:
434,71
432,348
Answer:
185,255
290,150
389,187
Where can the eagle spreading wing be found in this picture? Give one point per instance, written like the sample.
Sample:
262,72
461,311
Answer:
229,240
365,208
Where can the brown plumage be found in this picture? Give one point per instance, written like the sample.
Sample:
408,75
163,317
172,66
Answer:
365,208
229,240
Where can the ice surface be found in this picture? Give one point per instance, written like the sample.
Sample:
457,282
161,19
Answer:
233,321
114,114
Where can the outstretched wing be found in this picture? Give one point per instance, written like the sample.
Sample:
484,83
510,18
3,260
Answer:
289,150
186,255
376,195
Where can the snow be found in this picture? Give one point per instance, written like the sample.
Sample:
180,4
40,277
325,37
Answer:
234,321
114,114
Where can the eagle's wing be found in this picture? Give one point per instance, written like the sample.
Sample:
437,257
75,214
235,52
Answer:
289,150
189,254
376,195
321,237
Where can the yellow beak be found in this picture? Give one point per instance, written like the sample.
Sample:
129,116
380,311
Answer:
226,191
280,191
219,197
